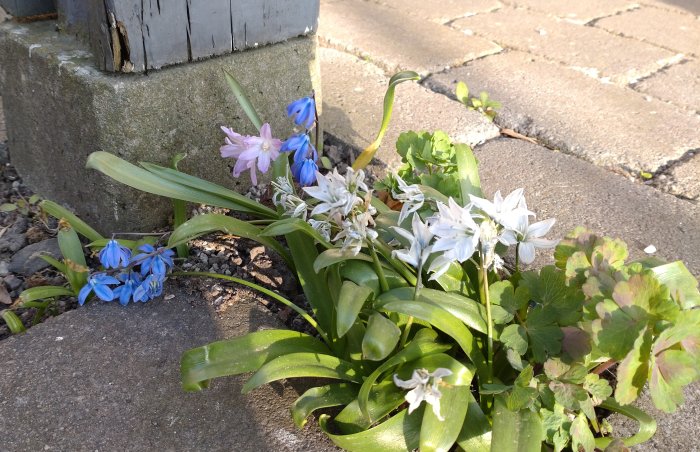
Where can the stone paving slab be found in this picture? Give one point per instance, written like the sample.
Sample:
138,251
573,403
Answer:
446,11
590,50
397,41
678,84
672,30
353,94
566,110
577,193
106,378
680,6
578,12
685,178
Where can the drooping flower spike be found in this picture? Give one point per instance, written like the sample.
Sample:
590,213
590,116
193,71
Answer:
304,111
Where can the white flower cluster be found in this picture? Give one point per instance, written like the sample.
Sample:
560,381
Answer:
285,197
346,201
479,226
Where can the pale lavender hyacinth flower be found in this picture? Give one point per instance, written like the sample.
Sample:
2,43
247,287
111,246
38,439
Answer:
251,151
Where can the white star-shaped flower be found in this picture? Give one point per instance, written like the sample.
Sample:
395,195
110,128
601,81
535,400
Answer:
458,235
422,389
420,249
529,237
506,211
410,195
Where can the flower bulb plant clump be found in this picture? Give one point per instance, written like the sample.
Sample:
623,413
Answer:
426,337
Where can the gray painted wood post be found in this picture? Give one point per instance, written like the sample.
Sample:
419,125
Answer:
139,35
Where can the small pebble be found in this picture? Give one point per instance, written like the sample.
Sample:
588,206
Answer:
651,249
12,282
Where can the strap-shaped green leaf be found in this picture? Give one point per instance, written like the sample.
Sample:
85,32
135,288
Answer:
60,266
366,156
288,225
465,309
133,176
468,170
423,344
515,431
397,434
384,397
43,292
380,339
363,274
315,288
179,210
436,434
244,204
210,222
60,212
295,365
444,321
13,322
476,431
243,100
350,301
72,250
242,354
334,255
335,394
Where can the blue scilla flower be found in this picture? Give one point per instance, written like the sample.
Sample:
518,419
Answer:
305,172
99,282
303,110
152,260
149,288
114,255
125,292
299,142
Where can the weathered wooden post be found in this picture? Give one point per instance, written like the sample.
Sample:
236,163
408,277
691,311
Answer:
143,79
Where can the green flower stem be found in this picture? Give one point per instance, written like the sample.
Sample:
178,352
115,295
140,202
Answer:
517,258
485,298
399,266
378,268
265,291
409,323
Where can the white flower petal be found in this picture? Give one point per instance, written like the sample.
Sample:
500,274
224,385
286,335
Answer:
540,228
526,252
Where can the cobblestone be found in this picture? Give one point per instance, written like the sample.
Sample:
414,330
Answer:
601,123
578,12
590,50
678,84
397,41
669,29
447,11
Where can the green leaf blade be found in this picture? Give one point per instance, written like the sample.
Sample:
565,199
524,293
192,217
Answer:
295,365
242,354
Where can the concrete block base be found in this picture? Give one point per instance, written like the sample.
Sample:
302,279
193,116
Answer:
60,108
